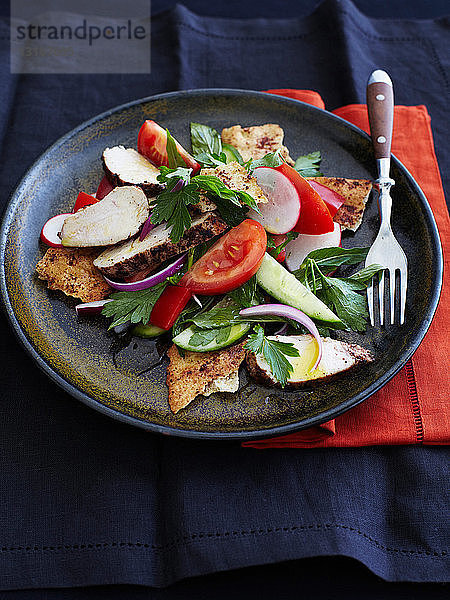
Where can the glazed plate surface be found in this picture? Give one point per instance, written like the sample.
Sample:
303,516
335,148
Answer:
127,380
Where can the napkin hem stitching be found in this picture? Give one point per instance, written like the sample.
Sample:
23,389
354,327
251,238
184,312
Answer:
414,399
193,536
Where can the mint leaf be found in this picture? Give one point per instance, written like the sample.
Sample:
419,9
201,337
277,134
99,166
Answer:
275,250
308,165
204,337
224,313
274,353
329,259
247,294
205,140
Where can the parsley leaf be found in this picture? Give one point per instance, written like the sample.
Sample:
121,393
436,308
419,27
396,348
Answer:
274,353
308,165
224,313
173,156
132,306
172,206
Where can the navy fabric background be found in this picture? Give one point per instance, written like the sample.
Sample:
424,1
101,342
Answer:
88,501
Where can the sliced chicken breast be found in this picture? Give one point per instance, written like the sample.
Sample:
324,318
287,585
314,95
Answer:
115,218
338,357
135,256
125,166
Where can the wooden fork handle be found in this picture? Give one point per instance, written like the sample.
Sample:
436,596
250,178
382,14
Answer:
380,106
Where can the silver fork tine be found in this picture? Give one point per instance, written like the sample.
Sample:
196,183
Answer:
381,297
392,293
370,302
403,288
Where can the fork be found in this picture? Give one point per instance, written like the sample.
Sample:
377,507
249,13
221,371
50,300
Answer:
385,251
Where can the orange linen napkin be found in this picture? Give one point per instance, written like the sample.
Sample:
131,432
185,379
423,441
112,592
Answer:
414,407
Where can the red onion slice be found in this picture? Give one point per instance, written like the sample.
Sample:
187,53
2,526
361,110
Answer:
136,286
91,308
148,226
287,312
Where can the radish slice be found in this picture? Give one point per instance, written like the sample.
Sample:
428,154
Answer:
297,250
104,187
281,212
50,231
136,286
332,199
287,312
91,308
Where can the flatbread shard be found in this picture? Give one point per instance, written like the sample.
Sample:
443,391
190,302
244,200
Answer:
72,271
257,141
355,191
236,177
193,374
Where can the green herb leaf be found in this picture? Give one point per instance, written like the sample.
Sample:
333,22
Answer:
132,306
215,186
205,139
224,313
173,156
274,353
247,294
329,259
232,154
275,250
174,175
172,206
273,159
308,165
340,293
203,337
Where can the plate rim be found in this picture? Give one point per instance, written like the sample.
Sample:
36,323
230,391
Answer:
240,435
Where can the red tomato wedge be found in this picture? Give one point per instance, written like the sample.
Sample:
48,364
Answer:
152,140
104,187
279,239
83,200
315,218
233,259
332,199
169,306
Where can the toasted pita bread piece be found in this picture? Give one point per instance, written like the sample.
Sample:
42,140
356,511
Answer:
355,191
236,177
202,373
337,358
72,271
257,141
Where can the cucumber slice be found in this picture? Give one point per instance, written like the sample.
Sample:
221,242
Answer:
147,331
236,332
232,154
282,285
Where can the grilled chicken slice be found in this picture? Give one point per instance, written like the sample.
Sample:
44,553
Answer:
125,166
202,373
135,256
337,358
256,142
115,218
356,193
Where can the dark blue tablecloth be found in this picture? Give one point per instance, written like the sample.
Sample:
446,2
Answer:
88,501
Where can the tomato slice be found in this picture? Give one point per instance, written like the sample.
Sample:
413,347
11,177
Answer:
83,200
152,140
315,218
169,306
233,259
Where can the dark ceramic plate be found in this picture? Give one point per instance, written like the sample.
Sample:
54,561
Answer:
128,381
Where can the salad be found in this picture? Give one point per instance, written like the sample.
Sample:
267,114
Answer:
229,250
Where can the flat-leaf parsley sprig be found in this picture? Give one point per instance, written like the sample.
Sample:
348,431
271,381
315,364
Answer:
274,353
